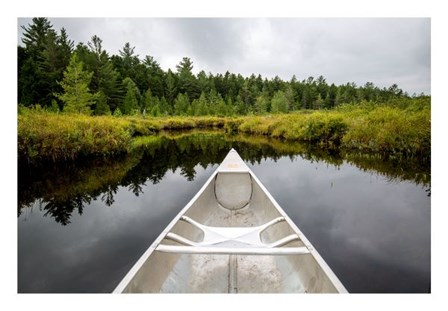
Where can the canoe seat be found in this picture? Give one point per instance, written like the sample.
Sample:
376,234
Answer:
232,240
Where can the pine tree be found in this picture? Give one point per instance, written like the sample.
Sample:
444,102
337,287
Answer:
171,90
319,103
307,98
117,112
187,82
146,100
101,107
221,109
76,97
129,105
128,61
154,76
230,111
279,103
155,107
289,93
181,104
105,78
261,104
202,105
240,107
33,83
165,108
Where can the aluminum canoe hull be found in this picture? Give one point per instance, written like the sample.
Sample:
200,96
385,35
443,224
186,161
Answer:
209,246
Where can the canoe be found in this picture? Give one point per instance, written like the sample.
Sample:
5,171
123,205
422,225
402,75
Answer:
232,237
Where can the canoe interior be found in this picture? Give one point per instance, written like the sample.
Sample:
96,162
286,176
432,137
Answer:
207,273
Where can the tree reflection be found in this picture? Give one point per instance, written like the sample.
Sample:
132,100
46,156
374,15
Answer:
108,196
62,211
65,189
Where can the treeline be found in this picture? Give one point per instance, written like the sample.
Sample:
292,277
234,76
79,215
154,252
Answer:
58,76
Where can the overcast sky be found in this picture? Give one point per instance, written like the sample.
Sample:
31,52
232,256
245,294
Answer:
379,50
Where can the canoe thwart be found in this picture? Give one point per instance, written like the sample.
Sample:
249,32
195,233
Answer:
232,250
232,240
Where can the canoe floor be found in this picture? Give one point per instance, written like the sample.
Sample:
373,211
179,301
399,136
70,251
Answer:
232,274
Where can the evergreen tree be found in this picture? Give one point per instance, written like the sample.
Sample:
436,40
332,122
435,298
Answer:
34,36
171,91
307,98
230,111
128,61
194,107
181,104
55,58
155,107
240,107
319,103
247,95
289,94
117,112
221,108
262,104
330,100
105,78
279,102
154,76
146,100
203,82
129,105
101,107
187,81
165,108
28,81
76,97
338,98
321,87
37,81
202,105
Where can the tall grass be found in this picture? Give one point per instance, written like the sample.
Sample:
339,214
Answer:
45,135
48,136
399,128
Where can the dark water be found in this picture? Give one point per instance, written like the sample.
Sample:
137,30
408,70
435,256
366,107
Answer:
82,226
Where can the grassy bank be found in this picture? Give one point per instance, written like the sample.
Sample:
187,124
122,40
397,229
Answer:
59,137
385,129
396,128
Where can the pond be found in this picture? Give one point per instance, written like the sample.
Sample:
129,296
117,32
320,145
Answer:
82,226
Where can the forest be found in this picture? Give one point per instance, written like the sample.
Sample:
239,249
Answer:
56,75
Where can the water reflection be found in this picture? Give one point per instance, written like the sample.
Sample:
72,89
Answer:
64,189
373,232
83,225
